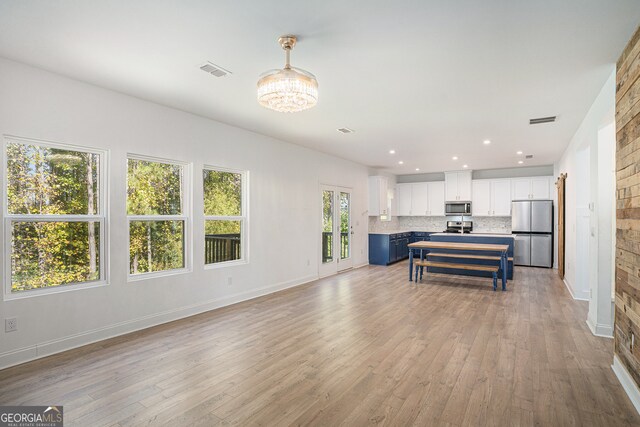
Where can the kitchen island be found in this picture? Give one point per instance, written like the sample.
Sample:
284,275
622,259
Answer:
487,239
387,247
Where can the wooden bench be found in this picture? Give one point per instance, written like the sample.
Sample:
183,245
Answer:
460,266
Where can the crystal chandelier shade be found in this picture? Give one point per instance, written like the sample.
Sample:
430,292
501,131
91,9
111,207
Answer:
288,90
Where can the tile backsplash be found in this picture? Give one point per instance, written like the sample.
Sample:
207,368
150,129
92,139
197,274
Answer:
438,223
375,225
492,224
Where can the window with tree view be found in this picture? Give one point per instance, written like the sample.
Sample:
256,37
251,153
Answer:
157,220
54,215
224,210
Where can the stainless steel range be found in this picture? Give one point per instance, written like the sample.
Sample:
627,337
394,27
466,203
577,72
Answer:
459,227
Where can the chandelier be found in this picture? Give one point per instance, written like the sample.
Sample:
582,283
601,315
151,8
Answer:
288,90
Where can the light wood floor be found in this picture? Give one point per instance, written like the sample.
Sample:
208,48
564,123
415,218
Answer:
363,347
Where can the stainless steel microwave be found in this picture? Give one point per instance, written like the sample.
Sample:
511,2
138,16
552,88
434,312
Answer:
457,208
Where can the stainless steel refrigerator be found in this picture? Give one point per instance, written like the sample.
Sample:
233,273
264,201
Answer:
532,226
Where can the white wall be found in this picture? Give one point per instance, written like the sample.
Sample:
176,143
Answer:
581,230
590,189
284,209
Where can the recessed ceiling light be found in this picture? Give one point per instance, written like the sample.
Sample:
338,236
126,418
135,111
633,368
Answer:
392,151
465,166
486,142
519,153
520,162
417,169
455,157
401,162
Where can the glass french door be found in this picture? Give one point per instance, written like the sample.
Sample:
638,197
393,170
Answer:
336,230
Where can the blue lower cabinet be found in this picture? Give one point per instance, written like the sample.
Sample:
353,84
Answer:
403,248
382,249
385,249
393,249
419,236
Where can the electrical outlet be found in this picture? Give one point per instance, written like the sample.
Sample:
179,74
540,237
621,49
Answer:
11,324
229,281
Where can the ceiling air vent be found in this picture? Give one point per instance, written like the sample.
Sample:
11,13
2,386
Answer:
346,130
529,156
540,120
214,69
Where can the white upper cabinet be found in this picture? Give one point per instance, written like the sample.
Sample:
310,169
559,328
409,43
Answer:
403,194
481,201
421,199
540,188
536,188
378,196
436,198
464,186
501,197
491,197
451,186
521,188
457,186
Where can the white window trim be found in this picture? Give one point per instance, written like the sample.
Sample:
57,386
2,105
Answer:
185,192
101,217
243,218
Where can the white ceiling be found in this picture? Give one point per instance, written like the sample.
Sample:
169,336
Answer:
430,79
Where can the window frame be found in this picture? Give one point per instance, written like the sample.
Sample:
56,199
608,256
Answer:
101,217
243,218
185,217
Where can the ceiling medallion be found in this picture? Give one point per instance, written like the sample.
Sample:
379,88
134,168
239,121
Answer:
288,90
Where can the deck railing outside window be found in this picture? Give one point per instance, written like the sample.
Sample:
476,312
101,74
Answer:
221,247
327,246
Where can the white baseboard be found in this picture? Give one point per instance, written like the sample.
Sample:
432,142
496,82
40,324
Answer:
629,386
599,329
47,348
580,296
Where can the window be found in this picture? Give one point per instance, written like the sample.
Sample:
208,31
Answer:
54,216
224,215
156,210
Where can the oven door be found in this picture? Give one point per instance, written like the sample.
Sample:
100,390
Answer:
458,208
